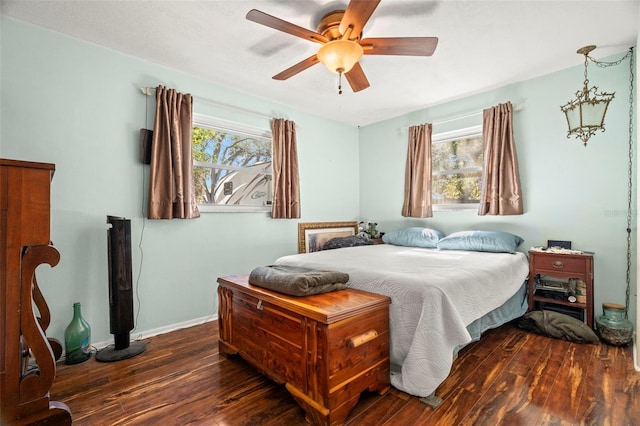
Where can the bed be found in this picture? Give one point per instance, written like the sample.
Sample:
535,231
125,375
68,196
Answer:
441,300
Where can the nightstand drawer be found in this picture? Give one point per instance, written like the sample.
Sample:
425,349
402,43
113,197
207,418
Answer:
564,264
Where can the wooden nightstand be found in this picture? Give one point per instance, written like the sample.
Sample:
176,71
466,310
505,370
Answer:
547,269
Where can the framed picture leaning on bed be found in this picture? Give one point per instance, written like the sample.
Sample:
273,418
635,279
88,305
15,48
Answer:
313,235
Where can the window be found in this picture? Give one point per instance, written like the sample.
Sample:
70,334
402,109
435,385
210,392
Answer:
456,159
231,166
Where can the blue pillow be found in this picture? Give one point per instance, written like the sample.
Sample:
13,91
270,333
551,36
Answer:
413,237
491,241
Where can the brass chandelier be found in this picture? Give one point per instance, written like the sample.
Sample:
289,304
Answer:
585,114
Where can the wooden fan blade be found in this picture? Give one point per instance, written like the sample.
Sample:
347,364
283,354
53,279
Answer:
356,78
357,14
409,46
300,66
284,26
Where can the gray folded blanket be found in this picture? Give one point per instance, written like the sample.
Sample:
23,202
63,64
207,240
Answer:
297,281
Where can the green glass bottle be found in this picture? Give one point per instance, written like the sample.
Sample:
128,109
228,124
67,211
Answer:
77,338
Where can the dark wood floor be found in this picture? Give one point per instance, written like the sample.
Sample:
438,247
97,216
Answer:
510,377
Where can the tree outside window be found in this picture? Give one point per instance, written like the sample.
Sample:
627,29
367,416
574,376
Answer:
457,161
232,167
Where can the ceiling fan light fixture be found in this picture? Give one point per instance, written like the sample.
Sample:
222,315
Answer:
339,56
340,33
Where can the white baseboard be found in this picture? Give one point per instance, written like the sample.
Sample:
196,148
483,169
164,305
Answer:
160,330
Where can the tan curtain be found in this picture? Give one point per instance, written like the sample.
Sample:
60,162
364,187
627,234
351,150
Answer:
171,193
501,193
417,174
286,186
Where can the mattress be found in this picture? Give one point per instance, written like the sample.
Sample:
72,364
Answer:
441,300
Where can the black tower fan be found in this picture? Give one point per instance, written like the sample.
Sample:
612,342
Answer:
120,293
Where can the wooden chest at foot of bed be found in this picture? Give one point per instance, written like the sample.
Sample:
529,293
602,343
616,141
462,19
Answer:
327,348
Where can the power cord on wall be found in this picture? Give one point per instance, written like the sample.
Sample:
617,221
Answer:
141,250
623,336
144,222
604,64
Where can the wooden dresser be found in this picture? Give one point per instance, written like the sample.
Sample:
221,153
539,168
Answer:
327,348
27,364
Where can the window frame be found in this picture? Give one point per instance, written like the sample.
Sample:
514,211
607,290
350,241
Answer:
444,137
207,121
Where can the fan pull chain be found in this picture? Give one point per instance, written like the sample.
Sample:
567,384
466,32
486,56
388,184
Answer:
603,64
340,83
630,183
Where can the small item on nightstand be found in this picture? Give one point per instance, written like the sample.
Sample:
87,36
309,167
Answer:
613,326
581,291
559,244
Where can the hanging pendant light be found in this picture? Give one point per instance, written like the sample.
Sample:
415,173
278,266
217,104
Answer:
585,114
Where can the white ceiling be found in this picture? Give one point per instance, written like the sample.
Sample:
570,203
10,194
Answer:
482,45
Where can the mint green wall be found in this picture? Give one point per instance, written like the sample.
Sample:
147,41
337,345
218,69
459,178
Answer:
570,192
78,105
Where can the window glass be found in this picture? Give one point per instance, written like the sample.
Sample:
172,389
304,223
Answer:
232,166
457,159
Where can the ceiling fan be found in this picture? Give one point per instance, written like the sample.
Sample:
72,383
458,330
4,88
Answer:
340,35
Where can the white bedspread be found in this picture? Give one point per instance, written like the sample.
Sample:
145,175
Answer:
435,295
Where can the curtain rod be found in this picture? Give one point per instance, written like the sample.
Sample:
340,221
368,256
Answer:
147,92
473,114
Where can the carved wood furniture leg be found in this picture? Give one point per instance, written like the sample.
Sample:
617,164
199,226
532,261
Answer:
45,318
33,396
43,309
